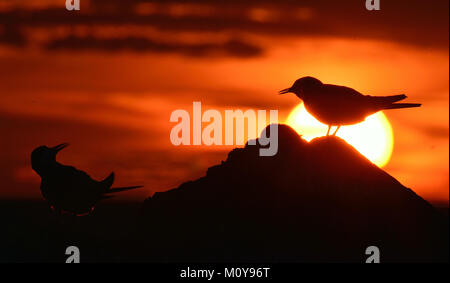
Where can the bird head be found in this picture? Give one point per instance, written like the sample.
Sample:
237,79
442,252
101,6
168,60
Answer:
43,157
302,85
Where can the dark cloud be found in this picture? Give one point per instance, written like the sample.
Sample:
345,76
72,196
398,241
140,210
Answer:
406,21
236,48
439,132
11,35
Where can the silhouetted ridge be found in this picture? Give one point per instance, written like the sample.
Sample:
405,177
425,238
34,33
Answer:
316,201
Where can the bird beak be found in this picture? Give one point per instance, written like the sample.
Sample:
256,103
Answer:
286,90
60,147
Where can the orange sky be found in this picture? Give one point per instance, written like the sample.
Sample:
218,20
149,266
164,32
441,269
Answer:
107,79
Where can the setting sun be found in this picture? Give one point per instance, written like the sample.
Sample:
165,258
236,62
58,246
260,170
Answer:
373,138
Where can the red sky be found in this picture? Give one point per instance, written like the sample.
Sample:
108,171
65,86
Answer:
107,78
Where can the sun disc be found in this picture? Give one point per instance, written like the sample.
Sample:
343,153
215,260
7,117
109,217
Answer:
373,137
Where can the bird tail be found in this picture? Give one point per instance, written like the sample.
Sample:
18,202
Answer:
108,181
121,189
389,99
402,105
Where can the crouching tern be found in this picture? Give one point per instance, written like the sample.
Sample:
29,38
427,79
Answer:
67,189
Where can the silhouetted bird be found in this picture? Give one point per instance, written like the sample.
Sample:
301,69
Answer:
336,105
66,188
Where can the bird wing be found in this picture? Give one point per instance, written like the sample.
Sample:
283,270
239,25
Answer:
351,99
340,98
341,92
70,189
333,104
76,182
385,101
73,174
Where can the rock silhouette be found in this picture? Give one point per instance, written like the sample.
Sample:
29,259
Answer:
320,201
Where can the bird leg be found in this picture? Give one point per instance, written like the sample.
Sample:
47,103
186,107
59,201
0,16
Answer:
336,130
329,128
